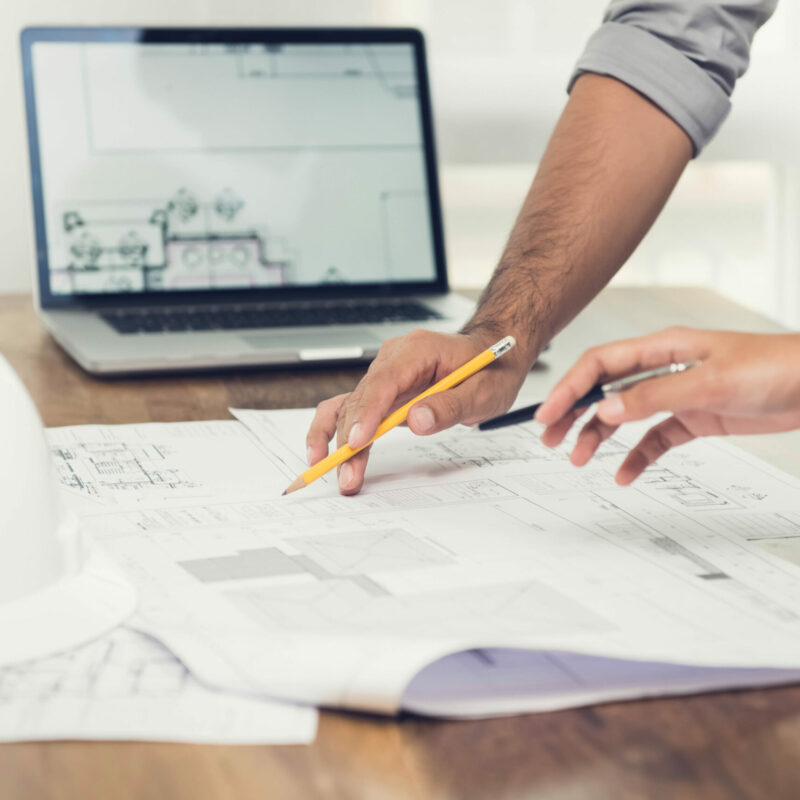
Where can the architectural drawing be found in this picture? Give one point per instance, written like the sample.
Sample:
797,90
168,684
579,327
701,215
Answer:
446,551
684,490
122,665
387,65
335,558
223,167
128,686
97,468
346,608
180,243
476,449
143,466
360,552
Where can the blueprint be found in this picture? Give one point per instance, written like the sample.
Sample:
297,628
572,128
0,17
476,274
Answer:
174,463
462,543
128,686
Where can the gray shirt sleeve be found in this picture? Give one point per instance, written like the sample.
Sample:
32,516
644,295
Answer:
683,56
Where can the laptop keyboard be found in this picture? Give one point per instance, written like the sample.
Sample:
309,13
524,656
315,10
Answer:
283,315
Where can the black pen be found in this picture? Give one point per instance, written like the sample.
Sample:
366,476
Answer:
594,395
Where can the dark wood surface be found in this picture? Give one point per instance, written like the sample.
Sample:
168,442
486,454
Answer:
728,745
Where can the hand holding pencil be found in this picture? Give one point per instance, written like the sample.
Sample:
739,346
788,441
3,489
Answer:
398,417
404,367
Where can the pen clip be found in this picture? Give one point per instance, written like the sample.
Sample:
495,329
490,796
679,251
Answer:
623,384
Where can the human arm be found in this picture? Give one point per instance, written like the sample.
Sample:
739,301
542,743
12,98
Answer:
684,55
611,163
745,383
607,170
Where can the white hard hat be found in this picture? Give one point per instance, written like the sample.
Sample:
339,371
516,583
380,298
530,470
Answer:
53,596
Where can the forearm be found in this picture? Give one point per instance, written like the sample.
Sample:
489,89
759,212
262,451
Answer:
608,169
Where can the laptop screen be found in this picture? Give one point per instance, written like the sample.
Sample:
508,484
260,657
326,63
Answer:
211,166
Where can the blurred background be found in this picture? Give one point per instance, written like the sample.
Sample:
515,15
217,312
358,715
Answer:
499,69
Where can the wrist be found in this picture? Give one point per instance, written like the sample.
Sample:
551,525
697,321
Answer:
486,331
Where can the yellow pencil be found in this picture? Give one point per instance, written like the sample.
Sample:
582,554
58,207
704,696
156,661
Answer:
399,417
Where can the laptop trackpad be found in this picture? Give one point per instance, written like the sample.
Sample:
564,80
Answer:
305,340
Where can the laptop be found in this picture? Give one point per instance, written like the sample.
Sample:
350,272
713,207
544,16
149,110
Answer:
210,198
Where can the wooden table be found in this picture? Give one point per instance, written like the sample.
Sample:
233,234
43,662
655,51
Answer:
725,745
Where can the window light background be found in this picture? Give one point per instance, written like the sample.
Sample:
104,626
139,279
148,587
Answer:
499,70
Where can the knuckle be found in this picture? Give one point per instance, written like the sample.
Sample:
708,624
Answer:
380,394
373,367
589,356
390,344
324,406
417,336
676,331
385,352
591,360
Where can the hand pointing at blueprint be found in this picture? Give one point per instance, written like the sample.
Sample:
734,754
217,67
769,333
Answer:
746,383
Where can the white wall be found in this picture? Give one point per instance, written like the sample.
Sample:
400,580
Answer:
499,68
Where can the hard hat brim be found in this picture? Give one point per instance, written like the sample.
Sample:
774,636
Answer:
74,610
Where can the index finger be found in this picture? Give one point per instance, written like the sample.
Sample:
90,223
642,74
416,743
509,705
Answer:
411,367
618,359
323,428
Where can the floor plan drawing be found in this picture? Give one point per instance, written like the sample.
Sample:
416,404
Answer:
685,491
95,469
129,686
138,466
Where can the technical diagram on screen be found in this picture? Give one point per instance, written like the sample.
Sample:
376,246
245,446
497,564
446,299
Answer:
208,166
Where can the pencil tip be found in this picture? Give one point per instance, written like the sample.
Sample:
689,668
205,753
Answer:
297,483
283,492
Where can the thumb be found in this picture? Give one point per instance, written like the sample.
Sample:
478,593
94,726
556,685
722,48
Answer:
440,411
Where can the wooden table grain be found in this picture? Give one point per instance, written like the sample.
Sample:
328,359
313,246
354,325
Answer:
726,745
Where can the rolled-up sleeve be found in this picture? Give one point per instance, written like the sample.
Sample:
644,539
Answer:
683,56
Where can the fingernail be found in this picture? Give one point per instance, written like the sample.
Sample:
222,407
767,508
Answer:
345,476
611,409
354,439
423,419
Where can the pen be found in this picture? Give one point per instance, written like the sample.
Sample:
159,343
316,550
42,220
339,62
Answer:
594,395
398,417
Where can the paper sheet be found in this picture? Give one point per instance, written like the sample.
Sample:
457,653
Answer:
461,541
493,682
128,686
162,464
